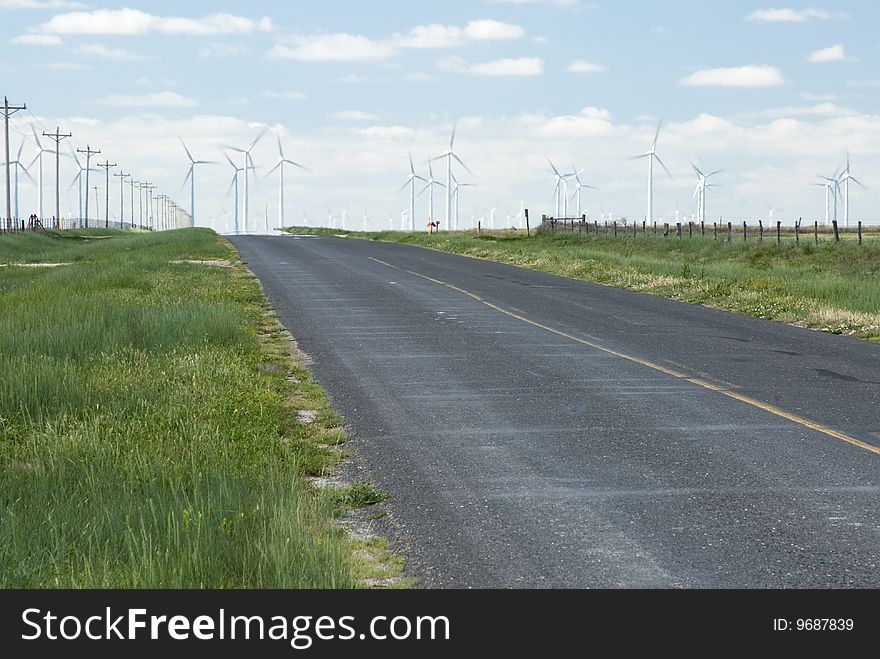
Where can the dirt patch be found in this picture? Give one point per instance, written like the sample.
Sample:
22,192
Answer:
217,263
307,416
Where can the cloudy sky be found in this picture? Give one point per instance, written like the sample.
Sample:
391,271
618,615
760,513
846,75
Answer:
773,93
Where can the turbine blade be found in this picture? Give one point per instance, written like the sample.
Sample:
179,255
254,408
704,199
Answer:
452,139
188,154
663,165
296,164
461,162
714,173
412,168
657,135
259,137
555,171
188,176
408,183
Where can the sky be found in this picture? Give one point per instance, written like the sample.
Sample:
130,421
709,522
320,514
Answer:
774,94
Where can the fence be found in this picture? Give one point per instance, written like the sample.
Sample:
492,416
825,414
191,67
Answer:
19,225
724,231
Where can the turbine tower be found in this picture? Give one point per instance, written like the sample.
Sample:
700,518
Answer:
651,156
411,182
558,191
248,165
430,187
280,167
577,191
845,178
456,185
39,160
449,156
19,166
700,193
191,177
234,184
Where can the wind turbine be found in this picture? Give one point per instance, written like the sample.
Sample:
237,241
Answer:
39,159
248,164
830,188
845,179
366,220
577,191
280,167
19,166
234,184
700,193
455,187
559,181
430,187
450,155
191,177
651,156
411,182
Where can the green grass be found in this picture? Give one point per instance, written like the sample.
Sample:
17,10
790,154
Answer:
833,287
148,432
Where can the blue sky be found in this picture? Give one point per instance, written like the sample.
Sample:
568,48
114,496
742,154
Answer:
773,93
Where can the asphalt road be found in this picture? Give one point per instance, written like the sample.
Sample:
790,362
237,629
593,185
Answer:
535,431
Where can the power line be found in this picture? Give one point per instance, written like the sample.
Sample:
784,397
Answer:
122,176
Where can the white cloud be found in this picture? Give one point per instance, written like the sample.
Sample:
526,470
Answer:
100,50
591,121
38,40
583,66
285,96
68,66
218,49
521,66
354,115
135,22
158,100
789,15
741,76
436,35
388,132
339,47
40,4
834,53
808,96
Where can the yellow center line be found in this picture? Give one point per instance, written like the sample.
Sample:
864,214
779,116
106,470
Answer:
772,409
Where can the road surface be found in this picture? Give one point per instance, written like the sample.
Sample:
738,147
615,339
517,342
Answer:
535,431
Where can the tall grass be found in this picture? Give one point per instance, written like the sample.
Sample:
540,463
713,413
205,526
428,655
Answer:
147,423
832,287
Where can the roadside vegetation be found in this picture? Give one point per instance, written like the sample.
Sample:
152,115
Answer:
156,429
832,287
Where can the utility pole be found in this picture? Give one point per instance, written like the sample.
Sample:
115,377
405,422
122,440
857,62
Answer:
8,111
150,219
89,153
57,136
142,186
107,166
97,206
122,178
132,183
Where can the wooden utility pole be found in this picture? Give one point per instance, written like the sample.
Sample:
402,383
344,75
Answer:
57,136
107,167
88,153
8,111
122,178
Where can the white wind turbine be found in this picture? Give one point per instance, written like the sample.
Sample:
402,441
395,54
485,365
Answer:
700,193
430,188
830,187
845,178
449,156
456,185
248,165
651,156
560,179
191,177
234,184
19,165
366,220
411,182
280,167
577,191
39,159
78,180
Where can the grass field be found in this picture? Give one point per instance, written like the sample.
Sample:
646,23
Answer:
148,423
829,287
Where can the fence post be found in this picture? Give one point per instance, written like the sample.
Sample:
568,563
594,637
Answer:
714,230
596,226
702,228
479,228
778,232
797,231
678,230
860,232
645,228
760,231
816,232
615,228
690,229
729,231
665,229
655,229
836,231
745,232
